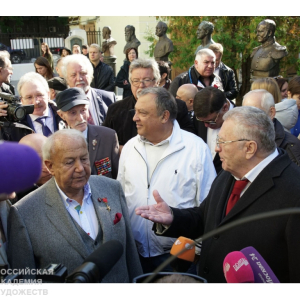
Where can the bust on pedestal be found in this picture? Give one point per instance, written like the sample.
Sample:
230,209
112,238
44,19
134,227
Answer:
266,58
164,45
108,45
204,32
130,38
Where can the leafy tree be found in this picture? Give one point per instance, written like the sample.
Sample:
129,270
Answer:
238,37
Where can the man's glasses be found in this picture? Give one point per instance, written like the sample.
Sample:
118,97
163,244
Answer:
210,122
218,142
145,82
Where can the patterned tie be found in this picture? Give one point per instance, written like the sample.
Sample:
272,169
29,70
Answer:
239,185
46,130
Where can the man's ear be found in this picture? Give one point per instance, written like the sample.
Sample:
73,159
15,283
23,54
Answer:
61,114
165,116
289,95
163,76
49,166
272,112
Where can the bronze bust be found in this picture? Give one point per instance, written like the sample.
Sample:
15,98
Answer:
108,42
164,45
204,32
266,58
130,38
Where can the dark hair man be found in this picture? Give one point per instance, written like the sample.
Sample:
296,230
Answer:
210,105
163,157
246,145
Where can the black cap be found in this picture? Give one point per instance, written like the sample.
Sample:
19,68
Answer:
69,98
64,48
57,83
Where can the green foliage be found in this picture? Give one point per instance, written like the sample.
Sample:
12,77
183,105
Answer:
5,23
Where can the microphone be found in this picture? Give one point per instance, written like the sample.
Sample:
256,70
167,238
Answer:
21,167
97,264
184,251
262,271
237,269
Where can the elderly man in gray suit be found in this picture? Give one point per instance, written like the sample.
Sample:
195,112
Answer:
103,144
71,215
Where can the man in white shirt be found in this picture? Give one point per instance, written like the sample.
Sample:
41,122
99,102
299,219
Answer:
163,157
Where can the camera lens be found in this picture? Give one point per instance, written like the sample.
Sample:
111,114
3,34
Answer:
20,113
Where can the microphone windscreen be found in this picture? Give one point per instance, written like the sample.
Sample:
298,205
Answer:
262,271
184,243
20,167
237,269
106,256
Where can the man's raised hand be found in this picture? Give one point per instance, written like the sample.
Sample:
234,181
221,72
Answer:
158,213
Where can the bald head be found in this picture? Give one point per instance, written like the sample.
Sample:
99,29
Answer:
36,141
262,100
187,93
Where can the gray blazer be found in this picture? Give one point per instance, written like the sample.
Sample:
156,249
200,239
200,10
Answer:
4,210
102,143
41,230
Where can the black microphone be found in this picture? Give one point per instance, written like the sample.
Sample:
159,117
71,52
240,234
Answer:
97,264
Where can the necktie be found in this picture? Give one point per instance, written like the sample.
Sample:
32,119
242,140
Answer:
46,130
239,185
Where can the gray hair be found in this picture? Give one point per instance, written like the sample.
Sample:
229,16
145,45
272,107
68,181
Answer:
205,51
267,100
49,147
80,59
164,101
145,63
32,77
95,46
254,124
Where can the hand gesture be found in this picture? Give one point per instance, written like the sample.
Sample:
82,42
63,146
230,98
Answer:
3,112
158,213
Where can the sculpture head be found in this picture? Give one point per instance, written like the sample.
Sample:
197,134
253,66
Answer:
106,32
129,33
205,28
265,30
161,28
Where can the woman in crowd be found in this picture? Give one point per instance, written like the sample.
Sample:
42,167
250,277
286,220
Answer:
122,80
47,54
43,67
283,86
269,84
65,52
286,112
294,93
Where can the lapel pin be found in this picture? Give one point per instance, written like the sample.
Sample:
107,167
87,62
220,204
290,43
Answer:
94,142
107,206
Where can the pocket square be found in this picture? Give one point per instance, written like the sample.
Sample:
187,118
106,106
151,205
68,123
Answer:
118,218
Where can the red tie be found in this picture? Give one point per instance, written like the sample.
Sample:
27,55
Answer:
239,185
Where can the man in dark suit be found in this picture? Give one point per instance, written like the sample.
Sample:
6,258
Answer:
246,144
102,142
34,89
71,215
210,105
143,73
224,72
78,72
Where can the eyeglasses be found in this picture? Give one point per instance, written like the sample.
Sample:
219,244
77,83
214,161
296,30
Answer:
145,82
210,122
218,142
30,98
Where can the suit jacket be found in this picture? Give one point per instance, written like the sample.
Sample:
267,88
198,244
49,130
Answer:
4,210
41,230
276,239
120,118
103,143
102,100
16,133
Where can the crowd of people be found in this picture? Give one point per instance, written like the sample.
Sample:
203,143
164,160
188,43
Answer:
163,162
